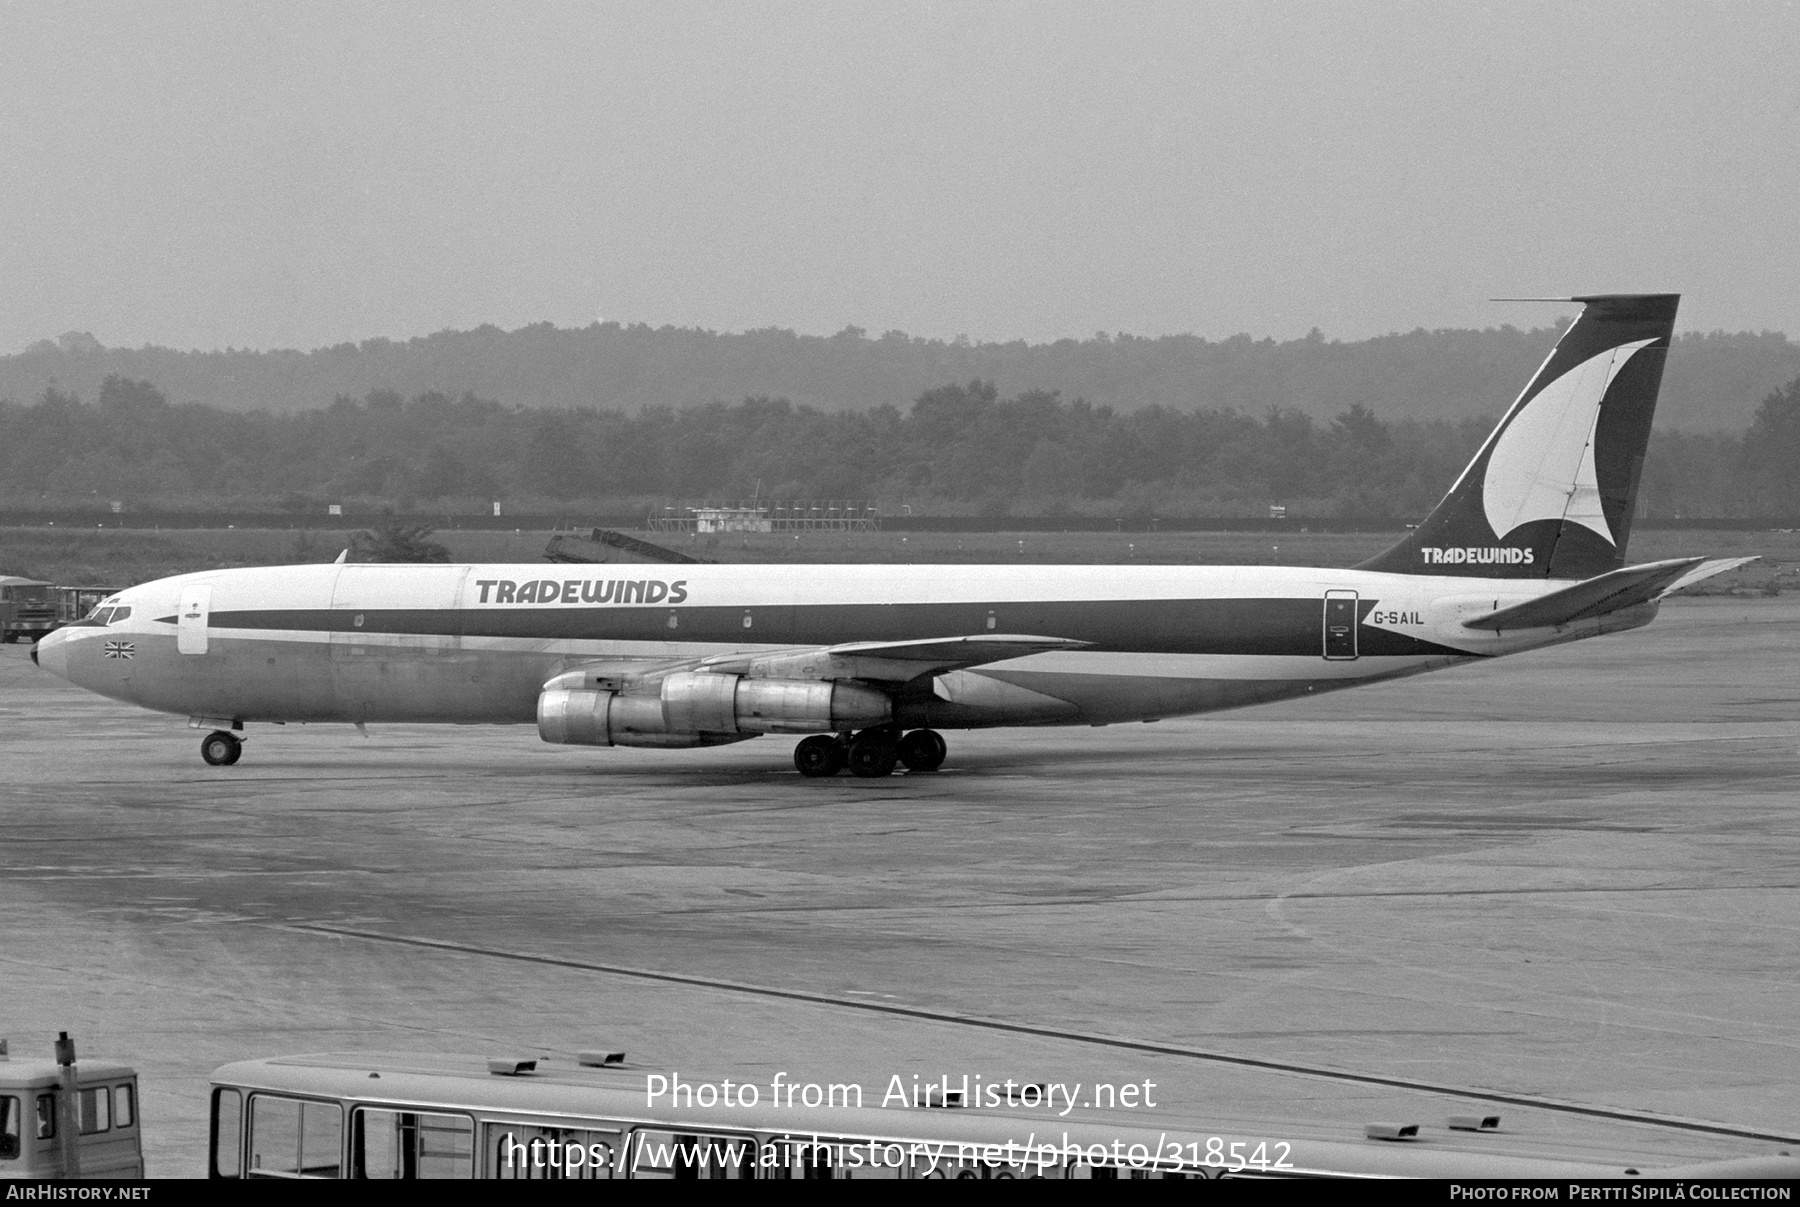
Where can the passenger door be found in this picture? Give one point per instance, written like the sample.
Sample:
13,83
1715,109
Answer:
191,618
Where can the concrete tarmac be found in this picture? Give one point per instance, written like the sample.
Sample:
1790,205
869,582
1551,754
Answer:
1568,875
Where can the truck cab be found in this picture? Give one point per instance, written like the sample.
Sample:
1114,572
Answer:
108,1141
27,608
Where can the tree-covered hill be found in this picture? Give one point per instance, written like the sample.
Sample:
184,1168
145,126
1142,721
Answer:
956,449
1714,382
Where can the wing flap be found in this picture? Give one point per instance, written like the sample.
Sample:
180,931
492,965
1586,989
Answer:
1605,593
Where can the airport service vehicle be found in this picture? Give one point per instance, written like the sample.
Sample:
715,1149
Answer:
870,662
27,608
443,1116
63,1120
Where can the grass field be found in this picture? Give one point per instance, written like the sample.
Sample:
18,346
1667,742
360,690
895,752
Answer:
121,557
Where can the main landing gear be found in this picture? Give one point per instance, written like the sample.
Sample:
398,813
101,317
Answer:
871,754
923,750
221,749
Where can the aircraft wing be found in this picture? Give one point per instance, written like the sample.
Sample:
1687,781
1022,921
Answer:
957,651
888,660
879,660
1605,593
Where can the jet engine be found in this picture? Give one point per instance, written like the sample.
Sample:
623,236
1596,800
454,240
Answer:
702,708
598,718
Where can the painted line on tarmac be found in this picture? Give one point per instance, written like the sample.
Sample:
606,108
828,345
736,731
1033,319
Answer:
1083,1037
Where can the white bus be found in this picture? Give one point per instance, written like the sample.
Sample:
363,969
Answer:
437,1116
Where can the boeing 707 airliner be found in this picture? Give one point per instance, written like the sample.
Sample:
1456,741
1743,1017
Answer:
869,662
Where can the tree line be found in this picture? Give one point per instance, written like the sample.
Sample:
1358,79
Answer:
1713,381
956,449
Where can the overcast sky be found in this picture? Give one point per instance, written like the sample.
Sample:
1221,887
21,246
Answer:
295,175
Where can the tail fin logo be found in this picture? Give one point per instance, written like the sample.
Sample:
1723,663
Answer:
1552,490
1542,465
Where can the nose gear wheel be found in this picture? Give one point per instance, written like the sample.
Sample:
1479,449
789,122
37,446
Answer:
221,749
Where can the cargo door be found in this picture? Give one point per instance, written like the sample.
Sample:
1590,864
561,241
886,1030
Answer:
1340,625
191,618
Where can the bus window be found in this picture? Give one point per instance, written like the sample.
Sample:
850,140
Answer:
1114,1173
294,1139
123,1113
228,1120
823,1158
46,1119
685,1156
96,1113
11,1127
519,1150
410,1144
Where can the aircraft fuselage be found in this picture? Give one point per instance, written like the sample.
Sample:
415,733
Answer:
476,644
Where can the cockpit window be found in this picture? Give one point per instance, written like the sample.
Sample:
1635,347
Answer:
119,614
103,615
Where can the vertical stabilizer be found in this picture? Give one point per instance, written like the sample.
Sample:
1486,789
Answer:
1552,491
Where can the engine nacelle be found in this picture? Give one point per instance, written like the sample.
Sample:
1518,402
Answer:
702,701
580,717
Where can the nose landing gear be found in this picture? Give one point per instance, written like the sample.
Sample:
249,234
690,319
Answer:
221,749
871,754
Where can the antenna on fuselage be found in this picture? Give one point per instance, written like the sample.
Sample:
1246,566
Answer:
342,558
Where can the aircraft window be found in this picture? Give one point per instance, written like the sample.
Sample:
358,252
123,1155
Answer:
120,614
123,1114
103,615
46,1117
96,1113
228,1120
411,1144
294,1139
522,1151
11,1127
685,1156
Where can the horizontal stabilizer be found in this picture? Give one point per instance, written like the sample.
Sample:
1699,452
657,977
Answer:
1704,570
1606,593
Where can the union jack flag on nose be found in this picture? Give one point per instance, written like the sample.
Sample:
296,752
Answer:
119,649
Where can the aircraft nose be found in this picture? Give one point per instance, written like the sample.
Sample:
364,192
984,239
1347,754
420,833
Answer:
52,653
